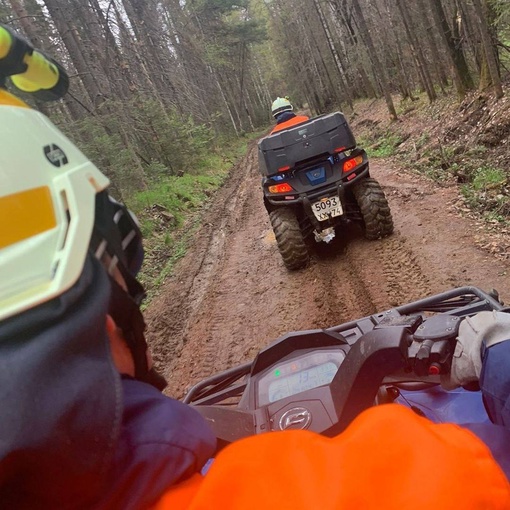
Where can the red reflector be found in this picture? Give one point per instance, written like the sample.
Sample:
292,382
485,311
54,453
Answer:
339,149
284,168
351,177
434,369
280,188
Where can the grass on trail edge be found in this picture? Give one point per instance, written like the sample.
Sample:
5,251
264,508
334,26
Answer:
170,210
450,147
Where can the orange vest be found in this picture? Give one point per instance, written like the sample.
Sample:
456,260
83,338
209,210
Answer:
298,119
389,458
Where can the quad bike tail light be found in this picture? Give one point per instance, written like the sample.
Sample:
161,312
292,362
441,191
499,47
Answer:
280,188
352,163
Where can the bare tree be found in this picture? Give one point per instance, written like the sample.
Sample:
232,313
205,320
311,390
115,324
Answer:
488,48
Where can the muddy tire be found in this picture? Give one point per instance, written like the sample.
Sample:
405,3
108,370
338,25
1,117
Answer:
371,200
289,238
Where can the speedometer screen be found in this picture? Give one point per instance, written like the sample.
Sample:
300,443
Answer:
302,381
301,371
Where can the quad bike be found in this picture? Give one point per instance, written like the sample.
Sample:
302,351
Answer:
322,379
315,180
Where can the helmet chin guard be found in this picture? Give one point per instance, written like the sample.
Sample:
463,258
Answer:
117,243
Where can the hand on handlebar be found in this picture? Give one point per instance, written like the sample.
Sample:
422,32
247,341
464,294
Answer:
476,334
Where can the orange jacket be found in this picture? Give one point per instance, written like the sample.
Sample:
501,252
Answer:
389,458
298,119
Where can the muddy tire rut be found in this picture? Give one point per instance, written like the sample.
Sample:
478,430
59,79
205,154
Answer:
231,294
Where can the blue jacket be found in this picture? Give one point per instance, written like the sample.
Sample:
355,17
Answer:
285,116
495,386
162,442
73,435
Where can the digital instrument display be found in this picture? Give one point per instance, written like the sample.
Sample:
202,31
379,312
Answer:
300,373
301,381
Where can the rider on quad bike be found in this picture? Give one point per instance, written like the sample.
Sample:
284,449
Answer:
281,109
83,422
315,180
82,425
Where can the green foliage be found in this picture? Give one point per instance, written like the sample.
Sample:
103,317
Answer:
242,30
229,34
166,211
488,177
441,162
423,139
502,23
139,141
487,193
107,150
217,55
169,138
485,187
177,194
216,7
156,170
386,147
380,145
502,10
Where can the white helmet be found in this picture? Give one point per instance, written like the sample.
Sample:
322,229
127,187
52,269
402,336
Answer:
280,105
47,201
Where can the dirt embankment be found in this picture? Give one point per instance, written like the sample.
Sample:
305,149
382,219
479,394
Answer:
231,295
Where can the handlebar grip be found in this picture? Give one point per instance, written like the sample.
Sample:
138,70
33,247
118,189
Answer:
30,70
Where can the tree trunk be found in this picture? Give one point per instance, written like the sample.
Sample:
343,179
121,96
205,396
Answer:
462,76
417,52
63,19
334,54
434,49
405,82
440,24
378,68
489,49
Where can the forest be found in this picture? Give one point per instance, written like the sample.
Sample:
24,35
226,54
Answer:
161,89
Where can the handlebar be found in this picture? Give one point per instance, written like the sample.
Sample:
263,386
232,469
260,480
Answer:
348,363
30,70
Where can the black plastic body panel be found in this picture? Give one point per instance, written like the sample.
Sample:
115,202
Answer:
323,135
335,181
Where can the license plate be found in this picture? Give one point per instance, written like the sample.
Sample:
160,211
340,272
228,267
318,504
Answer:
327,208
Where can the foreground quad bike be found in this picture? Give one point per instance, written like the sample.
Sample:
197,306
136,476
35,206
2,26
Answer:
314,180
322,379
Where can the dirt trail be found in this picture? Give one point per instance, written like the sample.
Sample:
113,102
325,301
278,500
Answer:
231,295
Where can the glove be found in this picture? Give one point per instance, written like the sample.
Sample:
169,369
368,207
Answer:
483,330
